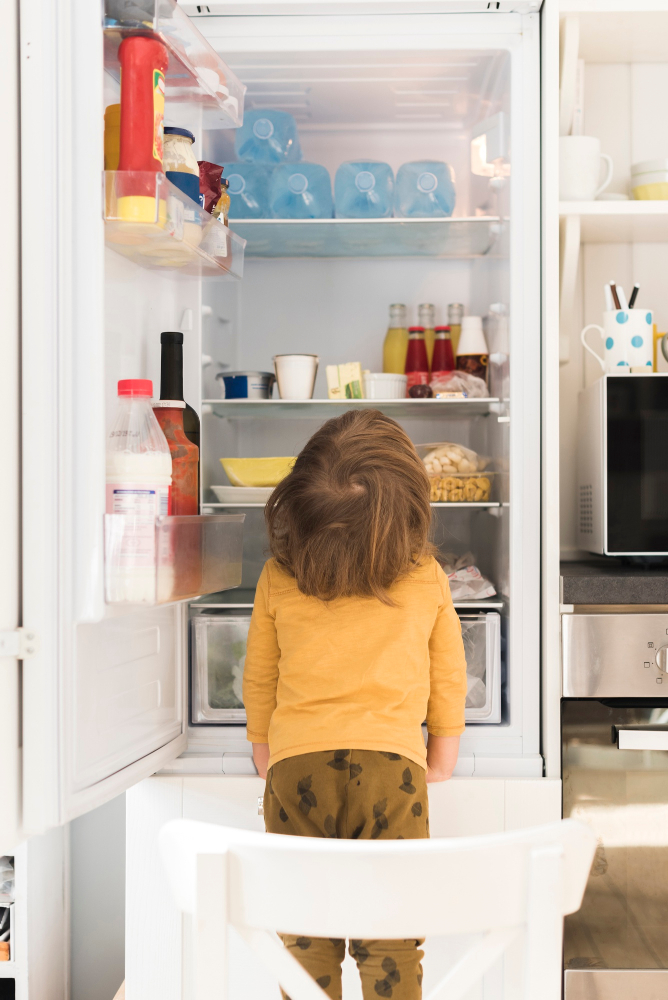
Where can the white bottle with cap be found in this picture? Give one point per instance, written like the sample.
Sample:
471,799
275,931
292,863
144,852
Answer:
472,351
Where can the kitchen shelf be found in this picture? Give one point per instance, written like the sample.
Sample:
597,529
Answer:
312,408
619,221
165,559
454,506
153,223
195,75
439,238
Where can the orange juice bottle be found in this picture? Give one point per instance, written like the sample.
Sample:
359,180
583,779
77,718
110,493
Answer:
395,345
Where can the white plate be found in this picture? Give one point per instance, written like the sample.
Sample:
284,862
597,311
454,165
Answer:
242,494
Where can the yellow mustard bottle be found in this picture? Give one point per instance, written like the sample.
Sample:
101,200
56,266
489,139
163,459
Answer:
395,345
426,319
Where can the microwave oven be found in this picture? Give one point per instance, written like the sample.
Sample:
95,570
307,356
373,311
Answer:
623,465
218,650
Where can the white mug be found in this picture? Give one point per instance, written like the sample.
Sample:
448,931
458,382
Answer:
295,374
628,340
580,168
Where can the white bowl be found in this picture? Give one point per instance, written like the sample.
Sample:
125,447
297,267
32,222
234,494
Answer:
242,494
384,385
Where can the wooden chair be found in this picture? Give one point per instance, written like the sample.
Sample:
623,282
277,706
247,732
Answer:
503,886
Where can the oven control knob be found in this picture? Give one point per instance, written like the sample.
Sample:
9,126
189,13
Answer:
662,658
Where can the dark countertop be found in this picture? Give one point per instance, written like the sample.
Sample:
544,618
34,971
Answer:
612,582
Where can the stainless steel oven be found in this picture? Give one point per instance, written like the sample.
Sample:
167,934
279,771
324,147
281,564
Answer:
615,778
218,650
623,465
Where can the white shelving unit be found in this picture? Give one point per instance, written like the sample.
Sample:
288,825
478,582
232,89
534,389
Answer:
326,408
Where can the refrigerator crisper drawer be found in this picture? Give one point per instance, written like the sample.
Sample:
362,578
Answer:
482,644
218,651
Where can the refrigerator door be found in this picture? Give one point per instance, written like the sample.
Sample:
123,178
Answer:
104,698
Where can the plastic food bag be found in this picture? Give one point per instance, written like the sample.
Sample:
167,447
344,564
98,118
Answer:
466,581
460,384
446,458
209,183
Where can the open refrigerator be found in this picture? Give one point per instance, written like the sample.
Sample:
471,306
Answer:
105,693
106,690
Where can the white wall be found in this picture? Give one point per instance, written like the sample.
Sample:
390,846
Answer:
97,902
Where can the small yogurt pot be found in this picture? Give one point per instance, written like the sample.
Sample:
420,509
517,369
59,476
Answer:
246,385
384,385
295,374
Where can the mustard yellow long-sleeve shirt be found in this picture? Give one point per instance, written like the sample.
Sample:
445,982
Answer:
353,672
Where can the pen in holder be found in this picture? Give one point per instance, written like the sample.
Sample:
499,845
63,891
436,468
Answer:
627,340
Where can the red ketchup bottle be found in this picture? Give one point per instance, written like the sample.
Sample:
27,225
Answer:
144,62
443,360
185,456
417,365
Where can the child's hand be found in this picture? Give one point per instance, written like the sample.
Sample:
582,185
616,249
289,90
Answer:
442,752
261,758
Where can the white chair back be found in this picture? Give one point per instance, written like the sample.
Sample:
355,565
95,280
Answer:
502,885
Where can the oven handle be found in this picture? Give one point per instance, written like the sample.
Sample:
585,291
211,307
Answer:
642,738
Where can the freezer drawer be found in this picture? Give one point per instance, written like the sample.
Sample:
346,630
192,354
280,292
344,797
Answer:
218,650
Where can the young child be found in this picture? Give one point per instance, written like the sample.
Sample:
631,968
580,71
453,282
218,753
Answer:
353,642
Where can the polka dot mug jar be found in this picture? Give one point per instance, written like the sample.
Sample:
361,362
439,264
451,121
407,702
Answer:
628,340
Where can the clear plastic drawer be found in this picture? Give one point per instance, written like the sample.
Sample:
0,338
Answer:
482,645
218,651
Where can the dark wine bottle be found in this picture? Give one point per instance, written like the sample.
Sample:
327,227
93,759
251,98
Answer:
171,384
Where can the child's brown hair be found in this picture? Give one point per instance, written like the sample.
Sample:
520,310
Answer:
354,514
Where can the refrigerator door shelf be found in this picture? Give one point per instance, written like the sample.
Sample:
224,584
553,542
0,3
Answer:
153,223
435,238
159,561
195,75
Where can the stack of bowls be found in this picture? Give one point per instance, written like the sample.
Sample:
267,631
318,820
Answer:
649,180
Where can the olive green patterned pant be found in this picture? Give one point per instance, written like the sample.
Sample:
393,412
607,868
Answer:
352,794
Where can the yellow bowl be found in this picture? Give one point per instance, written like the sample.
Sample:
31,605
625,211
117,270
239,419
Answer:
257,471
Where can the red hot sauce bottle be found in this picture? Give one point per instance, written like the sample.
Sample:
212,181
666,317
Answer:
185,456
417,364
443,360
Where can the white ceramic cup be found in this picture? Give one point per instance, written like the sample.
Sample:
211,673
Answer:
295,374
628,340
580,168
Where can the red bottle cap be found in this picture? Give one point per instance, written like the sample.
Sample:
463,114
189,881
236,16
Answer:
135,387
439,329
416,329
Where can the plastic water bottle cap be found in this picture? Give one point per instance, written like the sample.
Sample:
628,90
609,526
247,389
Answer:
235,184
263,128
297,183
365,181
427,182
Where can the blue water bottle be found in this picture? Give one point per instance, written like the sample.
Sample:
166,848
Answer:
364,189
268,137
300,192
424,189
248,188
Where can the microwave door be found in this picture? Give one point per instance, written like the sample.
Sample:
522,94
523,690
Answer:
636,428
